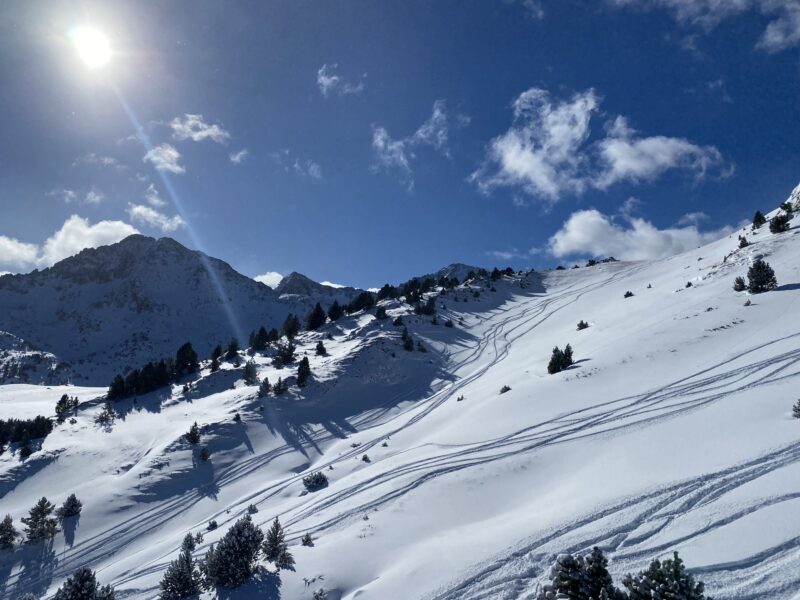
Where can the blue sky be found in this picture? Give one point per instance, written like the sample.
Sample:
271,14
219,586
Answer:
361,142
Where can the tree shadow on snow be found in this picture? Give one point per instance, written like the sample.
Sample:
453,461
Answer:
789,287
263,586
38,563
70,525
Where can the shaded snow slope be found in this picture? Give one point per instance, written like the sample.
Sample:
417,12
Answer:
672,431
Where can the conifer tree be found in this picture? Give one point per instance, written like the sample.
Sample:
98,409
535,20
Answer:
761,277
408,341
779,223
758,219
193,435
291,327
307,540
279,387
233,349
189,543
8,534
260,340
250,373
216,352
303,372
185,360
275,548
320,349
40,524
214,364
71,507
796,410
560,359
667,579
264,388
232,561
335,311
380,313
582,325
316,318
739,285
181,579
83,585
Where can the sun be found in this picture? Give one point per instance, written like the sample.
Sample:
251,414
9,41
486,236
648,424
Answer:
92,46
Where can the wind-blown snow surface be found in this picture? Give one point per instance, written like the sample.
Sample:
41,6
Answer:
672,432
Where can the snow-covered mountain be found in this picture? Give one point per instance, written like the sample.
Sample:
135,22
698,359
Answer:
673,431
108,309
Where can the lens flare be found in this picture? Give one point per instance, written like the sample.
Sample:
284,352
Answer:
92,46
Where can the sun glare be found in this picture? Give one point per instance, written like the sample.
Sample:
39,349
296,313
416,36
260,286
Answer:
92,46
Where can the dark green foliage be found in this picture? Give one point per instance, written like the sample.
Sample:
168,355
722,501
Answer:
629,294
664,580
25,451
260,340
496,274
761,277
303,372
320,349
758,219
216,352
7,533
505,389
40,523
280,387
233,560
380,313
212,525
581,578
71,507
365,459
284,355
320,594
363,301
787,207
796,410
193,435
316,318
181,579
189,543
264,388
185,360
315,481
107,415
779,223
307,540
560,359
291,327
335,311
739,285
23,431
429,308
151,377
65,405
275,548
250,373
233,350
743,243
582,325
214,364
387,291
408,341
83,585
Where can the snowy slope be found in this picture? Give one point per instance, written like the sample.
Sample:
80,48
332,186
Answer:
672,432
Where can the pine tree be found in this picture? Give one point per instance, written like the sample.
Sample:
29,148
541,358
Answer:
250,373
320,349
233,349
739,285
117,388
582,325
216,352
280,387
40,524
408,341
264,388
380,313
335,311
758,219
796,410
761,277
82,585
581,578
71,507
307,540
664,580
63,406
189,543
214,364
743,243
291,327
7,533
275,548
193,435
181,579
233,560
303,372
260,340
779,223
560,359
316,318
185,360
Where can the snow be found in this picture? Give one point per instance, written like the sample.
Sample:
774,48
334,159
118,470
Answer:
673,431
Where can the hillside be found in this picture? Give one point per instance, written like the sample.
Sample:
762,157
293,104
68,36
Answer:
673,430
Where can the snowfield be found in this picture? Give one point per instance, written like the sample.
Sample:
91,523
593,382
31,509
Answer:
673,431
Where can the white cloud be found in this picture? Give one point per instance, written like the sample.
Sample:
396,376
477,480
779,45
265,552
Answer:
238,157
165,157
329,82
534,9
66,195
591,233
93,197
153,197
546,152
193,127
90,158
782,31
73,236
693,218
147,215
333,285
308,169
270,278
398,154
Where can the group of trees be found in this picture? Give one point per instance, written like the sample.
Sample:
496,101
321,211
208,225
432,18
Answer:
760,278
154,374
560,359
66,405
587,578
777,224
23,431
41,522
83,585
229,563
